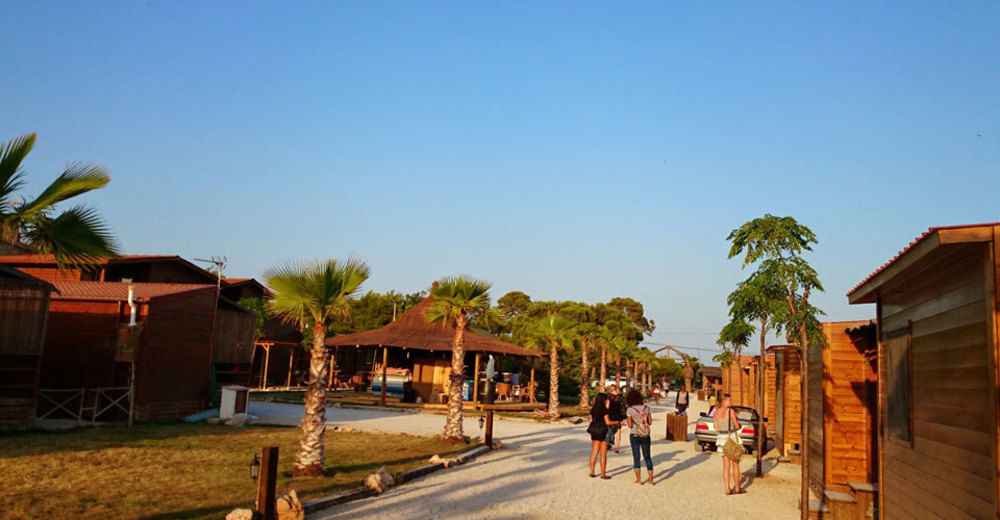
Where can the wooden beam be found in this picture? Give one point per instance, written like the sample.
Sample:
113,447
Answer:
531,386
267,358
385,371
267,506
291,363
475,381
993,343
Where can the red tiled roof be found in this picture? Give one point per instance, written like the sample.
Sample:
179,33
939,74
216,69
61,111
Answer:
118,291
235,281
51,259
929,232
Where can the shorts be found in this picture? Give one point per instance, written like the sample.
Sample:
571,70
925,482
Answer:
722,438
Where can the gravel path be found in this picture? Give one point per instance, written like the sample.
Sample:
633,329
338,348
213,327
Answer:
543,474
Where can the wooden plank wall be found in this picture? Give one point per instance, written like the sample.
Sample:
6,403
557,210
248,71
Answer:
24,309
848,403
949,469
234,337
80,343
731,383
792,376
173,363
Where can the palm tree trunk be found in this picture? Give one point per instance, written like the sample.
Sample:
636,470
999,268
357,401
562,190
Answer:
453,425
584,380
554,381
310,460
604,366
618,371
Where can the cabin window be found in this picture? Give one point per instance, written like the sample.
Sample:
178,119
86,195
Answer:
900,399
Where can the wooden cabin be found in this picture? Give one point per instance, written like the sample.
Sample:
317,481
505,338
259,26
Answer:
90,344
234,329
936,304
413,344
741,390
842,401
24,309
711,378
125,268
786,426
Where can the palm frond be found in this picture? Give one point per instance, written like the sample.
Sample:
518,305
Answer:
77,237
12,153
456,296
78,178
314,292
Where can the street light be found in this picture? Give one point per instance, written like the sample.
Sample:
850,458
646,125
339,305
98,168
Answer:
255,467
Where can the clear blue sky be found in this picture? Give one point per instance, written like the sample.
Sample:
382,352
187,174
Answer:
570,150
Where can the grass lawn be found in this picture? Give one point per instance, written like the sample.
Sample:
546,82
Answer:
179,470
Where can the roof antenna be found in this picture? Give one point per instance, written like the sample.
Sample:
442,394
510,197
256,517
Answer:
219,262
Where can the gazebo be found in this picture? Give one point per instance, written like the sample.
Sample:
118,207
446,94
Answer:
414,348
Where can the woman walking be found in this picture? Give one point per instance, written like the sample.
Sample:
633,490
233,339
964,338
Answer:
640,417
616,410
600,422
681,403
727,426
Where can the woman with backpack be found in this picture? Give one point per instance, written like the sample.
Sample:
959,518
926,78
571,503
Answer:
727,427
600,422
640,418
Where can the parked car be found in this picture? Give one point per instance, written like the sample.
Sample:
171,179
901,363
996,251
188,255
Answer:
704,430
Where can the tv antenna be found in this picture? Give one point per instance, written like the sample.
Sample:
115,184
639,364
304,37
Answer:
219,262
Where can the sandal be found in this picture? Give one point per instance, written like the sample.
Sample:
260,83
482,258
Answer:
605,477
592,475
740,491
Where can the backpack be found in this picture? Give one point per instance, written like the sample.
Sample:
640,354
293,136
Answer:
640,427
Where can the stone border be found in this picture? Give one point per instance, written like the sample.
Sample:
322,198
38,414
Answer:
351,495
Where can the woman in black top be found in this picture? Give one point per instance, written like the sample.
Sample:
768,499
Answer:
599,415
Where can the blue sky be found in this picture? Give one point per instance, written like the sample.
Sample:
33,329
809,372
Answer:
571,150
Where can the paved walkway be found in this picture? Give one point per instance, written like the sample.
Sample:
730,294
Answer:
543,474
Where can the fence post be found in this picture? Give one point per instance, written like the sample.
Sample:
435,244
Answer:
266,503
489,429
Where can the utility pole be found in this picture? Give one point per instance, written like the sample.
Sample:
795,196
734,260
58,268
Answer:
219,262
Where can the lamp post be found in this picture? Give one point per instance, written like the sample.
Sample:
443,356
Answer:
255,467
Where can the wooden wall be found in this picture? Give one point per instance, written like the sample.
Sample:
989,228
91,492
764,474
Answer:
80,343
173,363
731,382
791,375
234,336
842,407
948,467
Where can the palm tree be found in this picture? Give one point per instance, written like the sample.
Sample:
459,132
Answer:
454,300
76,236
555,333
737,333
310,295
586,333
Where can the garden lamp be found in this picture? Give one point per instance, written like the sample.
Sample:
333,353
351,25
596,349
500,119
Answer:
482,421
255,467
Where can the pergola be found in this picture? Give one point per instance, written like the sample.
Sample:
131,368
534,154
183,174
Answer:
411,331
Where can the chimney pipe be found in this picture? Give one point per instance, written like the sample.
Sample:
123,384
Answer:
132,305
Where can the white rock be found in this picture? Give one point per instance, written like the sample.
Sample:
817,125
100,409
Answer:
240,514
289,507
380,480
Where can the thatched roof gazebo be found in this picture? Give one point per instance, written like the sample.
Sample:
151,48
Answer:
412,332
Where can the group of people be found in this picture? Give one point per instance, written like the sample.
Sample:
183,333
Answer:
610,412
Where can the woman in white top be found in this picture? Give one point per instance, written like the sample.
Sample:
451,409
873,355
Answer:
727,426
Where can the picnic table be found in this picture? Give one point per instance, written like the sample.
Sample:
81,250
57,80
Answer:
504,407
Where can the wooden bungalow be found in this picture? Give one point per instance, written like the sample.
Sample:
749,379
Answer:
786,425
233,331
936,306
125,268
711,378
24,308
842,428
91,344
420,347
742,394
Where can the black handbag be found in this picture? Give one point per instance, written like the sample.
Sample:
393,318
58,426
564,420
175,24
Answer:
597,428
